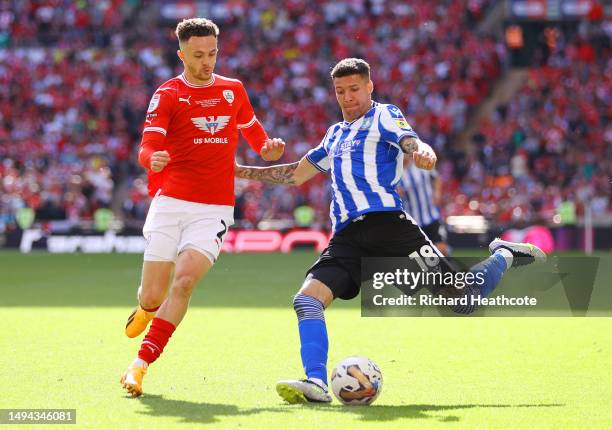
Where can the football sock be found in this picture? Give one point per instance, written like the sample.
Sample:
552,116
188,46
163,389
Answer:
156,339
491,270
507,256
313,336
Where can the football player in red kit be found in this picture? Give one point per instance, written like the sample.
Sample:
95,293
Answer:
188,145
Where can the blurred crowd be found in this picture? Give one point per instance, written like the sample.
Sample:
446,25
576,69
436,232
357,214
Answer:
72,104
550,144
76,77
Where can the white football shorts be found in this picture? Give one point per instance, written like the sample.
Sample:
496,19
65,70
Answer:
174,225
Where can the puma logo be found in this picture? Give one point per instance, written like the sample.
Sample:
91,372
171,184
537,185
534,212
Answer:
221,233
148,121
187,100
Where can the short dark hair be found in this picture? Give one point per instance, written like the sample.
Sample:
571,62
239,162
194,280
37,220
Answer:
197,27
351,66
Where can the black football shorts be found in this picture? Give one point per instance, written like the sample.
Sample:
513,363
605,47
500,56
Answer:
375,234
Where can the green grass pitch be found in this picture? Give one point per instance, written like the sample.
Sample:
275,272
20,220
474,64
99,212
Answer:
62,346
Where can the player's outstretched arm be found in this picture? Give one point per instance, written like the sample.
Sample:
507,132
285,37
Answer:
287,174
423,154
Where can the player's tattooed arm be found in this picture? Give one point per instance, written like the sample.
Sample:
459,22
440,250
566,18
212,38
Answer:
280,174
423,154
409,145
285,174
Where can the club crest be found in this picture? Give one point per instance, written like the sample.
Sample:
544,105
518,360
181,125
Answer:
229,96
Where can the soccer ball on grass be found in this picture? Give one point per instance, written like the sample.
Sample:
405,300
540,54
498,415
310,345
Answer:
356,381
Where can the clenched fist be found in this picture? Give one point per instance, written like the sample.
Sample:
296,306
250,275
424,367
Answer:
159,160
273,149
425,157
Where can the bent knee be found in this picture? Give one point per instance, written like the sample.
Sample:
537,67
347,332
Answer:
316,289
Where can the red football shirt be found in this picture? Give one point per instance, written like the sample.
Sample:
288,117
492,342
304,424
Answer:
200,124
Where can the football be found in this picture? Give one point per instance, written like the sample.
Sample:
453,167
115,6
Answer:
356,381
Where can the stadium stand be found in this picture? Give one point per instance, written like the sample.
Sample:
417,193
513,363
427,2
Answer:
83,72
554,133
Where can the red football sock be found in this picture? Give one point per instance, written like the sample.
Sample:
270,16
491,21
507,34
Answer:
156,339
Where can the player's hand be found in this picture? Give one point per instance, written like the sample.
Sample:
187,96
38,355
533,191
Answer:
425,158
273,149
159,160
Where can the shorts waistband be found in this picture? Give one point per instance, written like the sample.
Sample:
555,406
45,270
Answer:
378,214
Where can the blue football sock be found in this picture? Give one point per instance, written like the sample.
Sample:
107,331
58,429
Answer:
492,270
313,336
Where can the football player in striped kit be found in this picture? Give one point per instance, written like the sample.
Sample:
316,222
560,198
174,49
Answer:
421,194
363,155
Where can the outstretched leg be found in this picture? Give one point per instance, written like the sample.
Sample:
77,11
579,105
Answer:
504,255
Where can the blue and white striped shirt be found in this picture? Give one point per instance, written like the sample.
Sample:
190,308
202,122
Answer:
365,162
417,186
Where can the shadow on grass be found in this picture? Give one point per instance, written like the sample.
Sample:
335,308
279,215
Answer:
194,412
392,412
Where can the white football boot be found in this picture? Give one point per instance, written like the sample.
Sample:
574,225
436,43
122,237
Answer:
302,391
522,253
